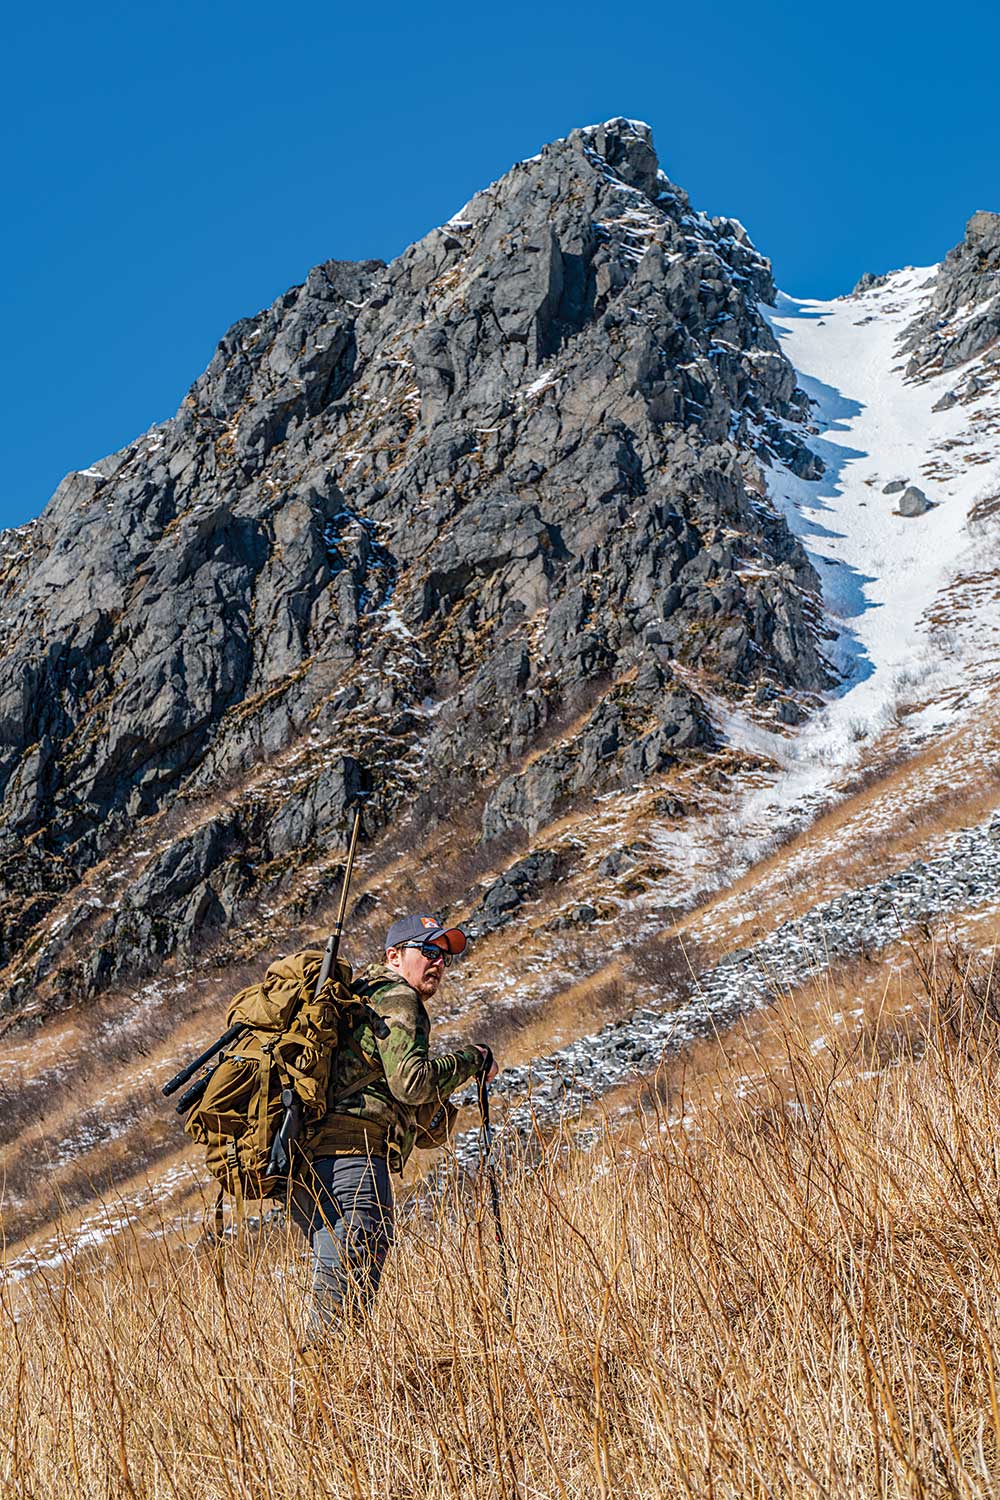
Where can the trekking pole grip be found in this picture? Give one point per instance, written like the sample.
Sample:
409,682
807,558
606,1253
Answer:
483,1086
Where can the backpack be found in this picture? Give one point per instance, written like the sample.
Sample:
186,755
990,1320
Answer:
275,1076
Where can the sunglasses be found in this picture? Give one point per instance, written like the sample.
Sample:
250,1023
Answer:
430,950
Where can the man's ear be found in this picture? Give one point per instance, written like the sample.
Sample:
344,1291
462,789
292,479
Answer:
392,957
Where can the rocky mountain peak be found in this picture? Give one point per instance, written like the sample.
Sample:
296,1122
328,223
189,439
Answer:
983,230
483,527
627,147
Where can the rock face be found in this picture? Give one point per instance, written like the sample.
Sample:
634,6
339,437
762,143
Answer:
520,883
468,525
962,318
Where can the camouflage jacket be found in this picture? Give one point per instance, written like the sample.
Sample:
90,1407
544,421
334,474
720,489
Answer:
386,1093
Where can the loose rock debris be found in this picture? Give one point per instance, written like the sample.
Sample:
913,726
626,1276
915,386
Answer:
965,875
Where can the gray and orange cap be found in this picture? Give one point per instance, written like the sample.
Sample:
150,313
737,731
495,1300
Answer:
426,930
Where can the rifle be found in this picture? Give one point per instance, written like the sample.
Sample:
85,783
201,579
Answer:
333,941
279,1161
288,1129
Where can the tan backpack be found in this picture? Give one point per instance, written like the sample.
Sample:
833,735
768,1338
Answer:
277,1069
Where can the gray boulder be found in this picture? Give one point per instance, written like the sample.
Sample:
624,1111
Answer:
913,502
616,861
894,487
868,283
523,881
789,712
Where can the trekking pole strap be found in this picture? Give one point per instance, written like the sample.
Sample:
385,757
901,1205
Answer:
484,1097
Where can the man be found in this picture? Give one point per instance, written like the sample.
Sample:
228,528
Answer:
386,1095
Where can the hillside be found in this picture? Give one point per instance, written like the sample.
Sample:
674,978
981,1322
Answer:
567,539
773,1276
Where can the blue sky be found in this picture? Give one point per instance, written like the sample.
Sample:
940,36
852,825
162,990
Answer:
172,169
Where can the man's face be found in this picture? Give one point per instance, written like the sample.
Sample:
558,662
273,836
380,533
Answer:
422,971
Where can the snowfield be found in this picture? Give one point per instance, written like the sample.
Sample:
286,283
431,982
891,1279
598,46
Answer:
914,601
889,582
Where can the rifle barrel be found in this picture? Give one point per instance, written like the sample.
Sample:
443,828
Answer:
333,941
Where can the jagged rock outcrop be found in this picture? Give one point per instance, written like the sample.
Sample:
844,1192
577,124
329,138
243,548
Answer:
476,522
870,281
521,882
962,317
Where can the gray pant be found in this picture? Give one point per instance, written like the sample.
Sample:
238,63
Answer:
344,1209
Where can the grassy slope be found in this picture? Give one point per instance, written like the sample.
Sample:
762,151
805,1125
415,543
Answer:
80,1097
774,1275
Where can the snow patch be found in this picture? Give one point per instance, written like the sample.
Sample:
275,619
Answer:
915,602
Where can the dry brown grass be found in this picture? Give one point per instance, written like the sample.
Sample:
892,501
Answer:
786,1289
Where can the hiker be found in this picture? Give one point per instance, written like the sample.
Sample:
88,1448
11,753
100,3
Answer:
386,1095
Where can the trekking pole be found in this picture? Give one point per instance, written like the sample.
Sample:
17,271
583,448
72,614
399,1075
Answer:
203,1057
491,1178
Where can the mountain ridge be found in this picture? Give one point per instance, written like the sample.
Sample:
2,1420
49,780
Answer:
570,387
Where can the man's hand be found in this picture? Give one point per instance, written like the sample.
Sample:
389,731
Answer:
490,1063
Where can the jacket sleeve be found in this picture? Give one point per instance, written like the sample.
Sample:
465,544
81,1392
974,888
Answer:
412,1075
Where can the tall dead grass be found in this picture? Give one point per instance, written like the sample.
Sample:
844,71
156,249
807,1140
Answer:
781,1283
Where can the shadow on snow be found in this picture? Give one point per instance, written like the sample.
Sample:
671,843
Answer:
843,585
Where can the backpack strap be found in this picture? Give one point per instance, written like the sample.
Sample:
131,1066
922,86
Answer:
356,1087
367,1000
262,1134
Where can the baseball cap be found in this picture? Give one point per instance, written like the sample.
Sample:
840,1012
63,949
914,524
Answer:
426,930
